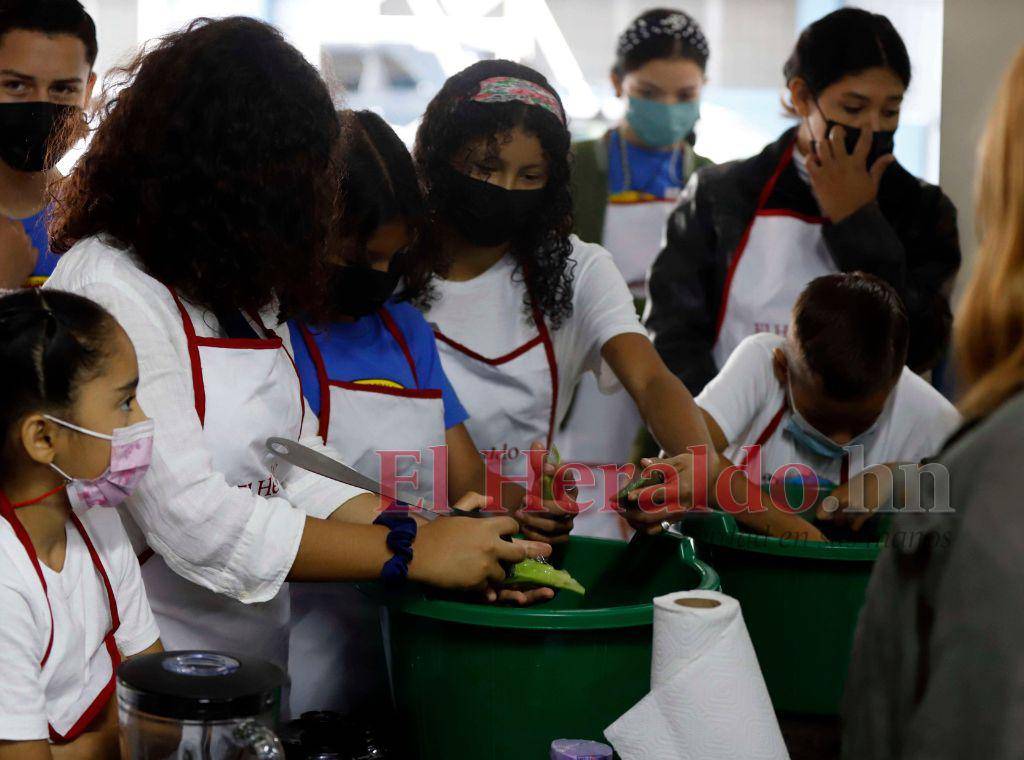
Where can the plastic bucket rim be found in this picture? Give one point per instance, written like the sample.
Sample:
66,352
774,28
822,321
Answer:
541,619
720,529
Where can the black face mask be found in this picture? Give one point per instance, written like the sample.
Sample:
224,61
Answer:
358,290
27,131
881,142
486,214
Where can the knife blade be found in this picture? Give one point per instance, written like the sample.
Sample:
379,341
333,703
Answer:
307,459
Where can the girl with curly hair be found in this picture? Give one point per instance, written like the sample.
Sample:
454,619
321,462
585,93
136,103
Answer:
524,308
202,214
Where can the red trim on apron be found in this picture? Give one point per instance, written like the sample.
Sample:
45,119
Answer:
195,360
809,218
96,706
433,393
194,343
198,389
549,351
769,431
321,377
612,201
94,709
480,357
396,333
325,382
7,512
766,191
544,338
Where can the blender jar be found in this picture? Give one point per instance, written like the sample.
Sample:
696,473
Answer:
199,706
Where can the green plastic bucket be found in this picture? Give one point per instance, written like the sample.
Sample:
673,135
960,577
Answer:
800,601
485,682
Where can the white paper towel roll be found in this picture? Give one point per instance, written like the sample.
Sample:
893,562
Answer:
708,700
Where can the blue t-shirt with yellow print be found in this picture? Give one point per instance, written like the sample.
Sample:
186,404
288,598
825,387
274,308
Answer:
36,228
365,352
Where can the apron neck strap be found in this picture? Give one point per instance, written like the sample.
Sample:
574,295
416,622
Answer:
8,514
396,333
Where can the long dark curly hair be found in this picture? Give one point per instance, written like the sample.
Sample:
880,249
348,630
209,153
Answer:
215,163
452,121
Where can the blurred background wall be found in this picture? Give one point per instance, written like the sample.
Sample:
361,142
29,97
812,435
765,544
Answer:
392,55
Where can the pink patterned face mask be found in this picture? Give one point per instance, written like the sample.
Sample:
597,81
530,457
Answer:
131,449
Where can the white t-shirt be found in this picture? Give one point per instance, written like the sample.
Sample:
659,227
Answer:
745,396
78,666
230,540
487,314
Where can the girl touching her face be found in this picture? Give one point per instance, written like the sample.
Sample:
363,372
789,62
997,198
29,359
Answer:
827,196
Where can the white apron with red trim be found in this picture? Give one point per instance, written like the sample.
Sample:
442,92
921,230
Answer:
80,682
634,231
512,399
359,420
336,653
246,390
779,254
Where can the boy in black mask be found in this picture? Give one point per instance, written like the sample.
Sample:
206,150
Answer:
47,52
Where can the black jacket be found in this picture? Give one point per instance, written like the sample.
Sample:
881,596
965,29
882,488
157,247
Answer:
908,237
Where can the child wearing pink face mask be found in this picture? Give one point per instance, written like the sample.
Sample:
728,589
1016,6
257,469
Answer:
71,595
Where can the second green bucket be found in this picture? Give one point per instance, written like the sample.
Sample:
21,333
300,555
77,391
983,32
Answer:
482,682
800,601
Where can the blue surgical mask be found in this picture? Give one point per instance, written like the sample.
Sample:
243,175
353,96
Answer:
808,437
661,125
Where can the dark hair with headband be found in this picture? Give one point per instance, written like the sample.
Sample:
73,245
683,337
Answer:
845,42
454,119
853,332
50,342
660,33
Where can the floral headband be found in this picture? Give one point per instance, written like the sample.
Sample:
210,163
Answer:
513,89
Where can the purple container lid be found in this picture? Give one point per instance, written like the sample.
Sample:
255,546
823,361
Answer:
579,749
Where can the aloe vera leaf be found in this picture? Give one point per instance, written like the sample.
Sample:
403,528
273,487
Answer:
532,572
621,497
548,481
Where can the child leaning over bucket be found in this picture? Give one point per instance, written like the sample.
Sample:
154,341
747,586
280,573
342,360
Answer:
72,603
833,395
829,406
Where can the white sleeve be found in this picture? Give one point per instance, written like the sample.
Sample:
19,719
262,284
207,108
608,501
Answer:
138,629
226,539
22,697
602,308
739,391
